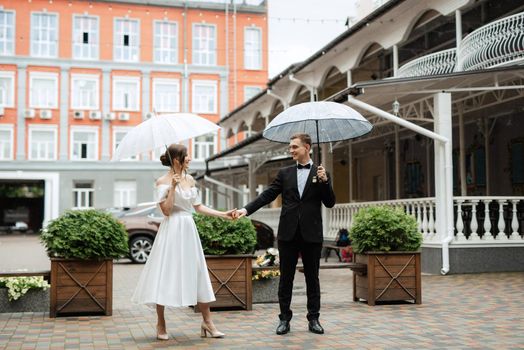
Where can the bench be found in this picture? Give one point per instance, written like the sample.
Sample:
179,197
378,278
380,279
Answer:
44,273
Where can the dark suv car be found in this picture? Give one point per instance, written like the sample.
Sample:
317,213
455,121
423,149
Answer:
142,224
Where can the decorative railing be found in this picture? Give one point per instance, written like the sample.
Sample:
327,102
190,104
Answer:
495,44
441,62
478,220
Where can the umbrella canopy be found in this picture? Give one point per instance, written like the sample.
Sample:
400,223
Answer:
161,131
323,121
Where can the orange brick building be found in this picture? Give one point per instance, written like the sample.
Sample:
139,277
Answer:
76,75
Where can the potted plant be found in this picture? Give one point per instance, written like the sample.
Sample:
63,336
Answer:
82,245
387,261
24,294
228,246
265,271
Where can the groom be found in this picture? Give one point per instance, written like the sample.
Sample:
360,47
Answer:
304,187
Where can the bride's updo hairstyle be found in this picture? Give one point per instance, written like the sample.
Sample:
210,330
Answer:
176,151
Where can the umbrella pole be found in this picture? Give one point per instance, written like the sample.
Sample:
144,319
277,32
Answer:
318,146
170,160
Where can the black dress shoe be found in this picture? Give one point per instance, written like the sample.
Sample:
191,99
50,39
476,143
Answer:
315,327
283,327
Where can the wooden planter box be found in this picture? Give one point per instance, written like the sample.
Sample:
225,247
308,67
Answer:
81,287
231,280
393,276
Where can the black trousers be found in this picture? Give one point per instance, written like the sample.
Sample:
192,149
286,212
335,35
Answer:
289,252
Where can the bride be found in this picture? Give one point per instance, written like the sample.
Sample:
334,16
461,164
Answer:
175,273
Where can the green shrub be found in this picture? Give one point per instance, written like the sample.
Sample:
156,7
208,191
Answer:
384,229
86,235
220,237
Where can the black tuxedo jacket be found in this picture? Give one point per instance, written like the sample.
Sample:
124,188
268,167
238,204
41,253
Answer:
305,211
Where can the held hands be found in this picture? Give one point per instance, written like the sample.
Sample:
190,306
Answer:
238,213
230,214
321,174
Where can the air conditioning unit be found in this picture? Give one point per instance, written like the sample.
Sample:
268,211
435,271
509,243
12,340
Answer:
2,111
46,114
95,115
149,115
123,116
110,116
78,114
29,113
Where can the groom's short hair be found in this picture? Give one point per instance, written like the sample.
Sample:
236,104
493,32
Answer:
304,138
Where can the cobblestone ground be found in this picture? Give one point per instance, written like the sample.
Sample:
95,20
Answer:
483,311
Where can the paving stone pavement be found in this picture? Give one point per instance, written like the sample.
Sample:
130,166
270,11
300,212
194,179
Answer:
477,311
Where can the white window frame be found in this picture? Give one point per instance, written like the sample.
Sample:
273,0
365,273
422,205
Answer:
8,95
208,83
122,190
252,54
158,105
83,129
51,128
9,143
158,40
84,194
120,79
122,129
119,50
247,87
8,40
93,45
75,90
50,47
207,56
203,147
51,100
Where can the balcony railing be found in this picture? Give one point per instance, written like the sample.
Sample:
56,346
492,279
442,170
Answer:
495,44
478,220
441,62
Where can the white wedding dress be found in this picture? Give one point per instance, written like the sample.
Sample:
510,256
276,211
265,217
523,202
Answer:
175,273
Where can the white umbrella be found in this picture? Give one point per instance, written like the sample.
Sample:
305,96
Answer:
323,121
161,131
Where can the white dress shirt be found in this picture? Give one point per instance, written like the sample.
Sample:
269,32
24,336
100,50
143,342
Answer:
302,175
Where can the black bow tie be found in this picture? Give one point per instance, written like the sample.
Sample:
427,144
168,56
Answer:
307,166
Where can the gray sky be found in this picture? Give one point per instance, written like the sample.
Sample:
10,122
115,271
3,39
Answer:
293,41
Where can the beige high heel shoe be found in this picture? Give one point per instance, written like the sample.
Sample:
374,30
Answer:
204,330
161,336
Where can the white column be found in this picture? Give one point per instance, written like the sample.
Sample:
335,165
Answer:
252,180
395,60
458,37
22,95
397,163
64,115
106,108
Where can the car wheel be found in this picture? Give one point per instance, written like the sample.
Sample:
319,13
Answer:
139,248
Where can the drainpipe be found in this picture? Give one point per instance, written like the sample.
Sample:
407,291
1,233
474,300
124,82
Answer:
312,89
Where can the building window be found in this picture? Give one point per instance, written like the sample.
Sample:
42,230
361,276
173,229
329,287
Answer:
42,143
165,42
43,90
250,91
125,193
204,97
413,180
118,134
204,44
84,143
517,162
126,40
166,95
126,94
203,146
83,195
85,37
84,92
6,142
7,87
252,48
7,33
44,35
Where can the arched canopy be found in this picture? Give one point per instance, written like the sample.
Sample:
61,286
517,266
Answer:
332,82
